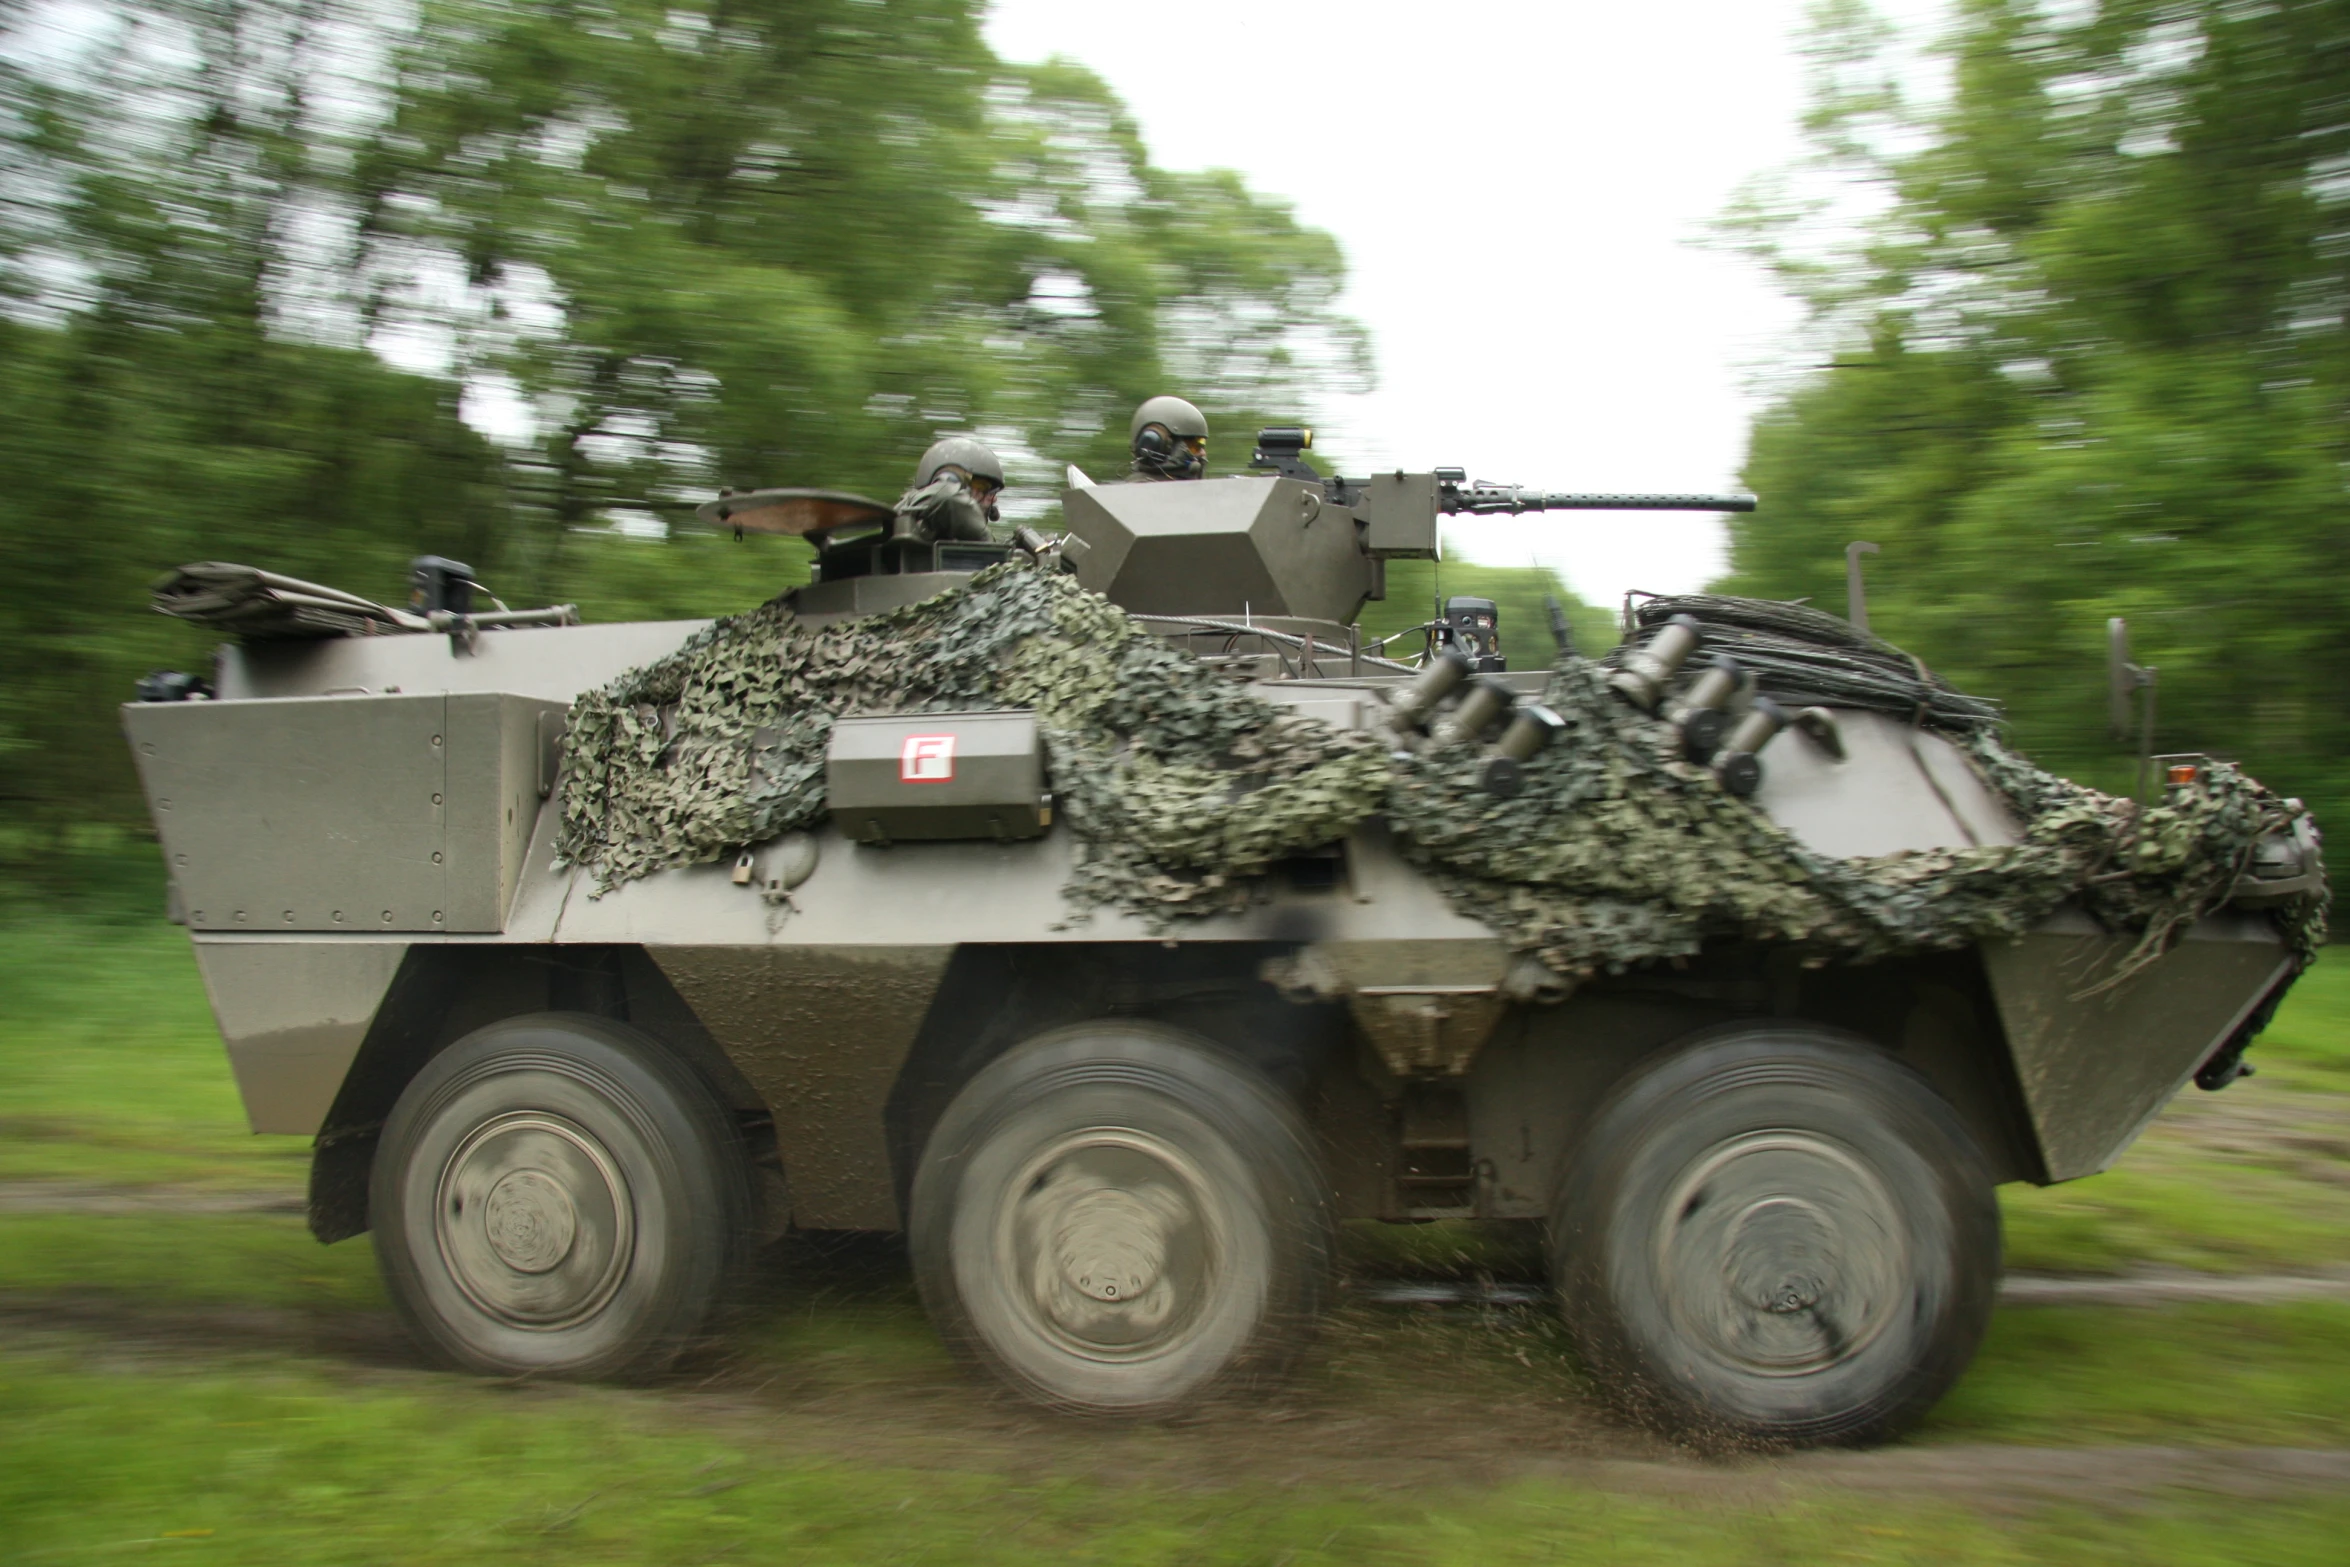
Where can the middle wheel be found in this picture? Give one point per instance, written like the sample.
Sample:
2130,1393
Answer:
1118,1218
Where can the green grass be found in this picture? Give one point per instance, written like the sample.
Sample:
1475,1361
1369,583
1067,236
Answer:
184,1259
2312,1029
111,1070
2178,1209
2066,1376
259,1462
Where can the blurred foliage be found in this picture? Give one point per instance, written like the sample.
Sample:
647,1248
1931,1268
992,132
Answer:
1414,588
2090,361
129,447
792,240
655,247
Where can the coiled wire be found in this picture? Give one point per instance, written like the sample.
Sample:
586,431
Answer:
1801,656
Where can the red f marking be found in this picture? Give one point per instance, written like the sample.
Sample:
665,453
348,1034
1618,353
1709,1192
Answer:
927,759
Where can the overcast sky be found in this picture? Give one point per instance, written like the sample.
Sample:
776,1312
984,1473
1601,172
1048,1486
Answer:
1518,185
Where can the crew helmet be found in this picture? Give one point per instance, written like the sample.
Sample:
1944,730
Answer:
975,459
1169,436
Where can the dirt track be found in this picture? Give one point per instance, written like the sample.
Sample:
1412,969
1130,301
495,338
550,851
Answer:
1392,1398
77,1197
1415,1378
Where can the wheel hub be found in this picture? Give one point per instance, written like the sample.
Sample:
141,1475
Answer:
1781,1254
534,1221
1110,1245
530,1221
1115,1238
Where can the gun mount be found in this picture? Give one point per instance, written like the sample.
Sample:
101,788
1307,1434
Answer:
1400,511
1291,542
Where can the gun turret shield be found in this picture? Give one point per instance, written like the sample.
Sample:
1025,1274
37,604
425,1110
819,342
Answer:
798,512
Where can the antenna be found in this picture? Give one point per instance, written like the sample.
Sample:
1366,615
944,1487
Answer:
1561,632
1856,595
2123,680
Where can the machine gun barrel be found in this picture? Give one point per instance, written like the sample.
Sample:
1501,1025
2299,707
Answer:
1491,499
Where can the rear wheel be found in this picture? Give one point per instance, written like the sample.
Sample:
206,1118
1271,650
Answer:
557,1195
1777,1235
1119,1219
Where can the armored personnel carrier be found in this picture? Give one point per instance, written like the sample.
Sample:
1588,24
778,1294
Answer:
1101,912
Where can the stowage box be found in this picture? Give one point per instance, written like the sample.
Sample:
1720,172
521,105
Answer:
937,775
339,814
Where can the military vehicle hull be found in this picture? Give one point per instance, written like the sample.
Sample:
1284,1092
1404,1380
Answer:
362,839
567,1100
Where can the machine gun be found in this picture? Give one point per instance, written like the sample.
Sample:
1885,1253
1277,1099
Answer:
1455,496
1398,513
1404,499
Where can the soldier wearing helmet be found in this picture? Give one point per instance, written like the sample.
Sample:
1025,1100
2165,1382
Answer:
953,493
1169,438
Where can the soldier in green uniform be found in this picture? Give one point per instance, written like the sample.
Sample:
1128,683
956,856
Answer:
953,493
1170,441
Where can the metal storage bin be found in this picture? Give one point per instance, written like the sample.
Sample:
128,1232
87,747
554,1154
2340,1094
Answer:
937,775
345,813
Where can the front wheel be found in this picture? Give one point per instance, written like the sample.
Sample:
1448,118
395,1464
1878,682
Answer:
1777,1235
557,1195
1118,1219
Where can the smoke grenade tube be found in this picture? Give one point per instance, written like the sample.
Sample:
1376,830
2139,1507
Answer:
1530,732
1648,670
1738,766
1763,721
1702,715
1433,684
1486,701
1701,733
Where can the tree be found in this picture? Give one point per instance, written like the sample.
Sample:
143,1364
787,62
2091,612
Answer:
2091,361
162,396
792,240
689,244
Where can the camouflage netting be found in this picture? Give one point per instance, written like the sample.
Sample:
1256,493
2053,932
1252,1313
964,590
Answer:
1619,852
1180,787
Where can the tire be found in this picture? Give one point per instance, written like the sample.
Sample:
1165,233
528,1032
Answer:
1118,1219
1776,1235
558,1195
